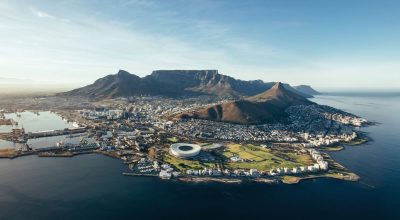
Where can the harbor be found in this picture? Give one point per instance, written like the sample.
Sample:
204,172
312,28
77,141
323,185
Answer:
32,132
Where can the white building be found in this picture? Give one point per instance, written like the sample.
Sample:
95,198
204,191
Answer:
286,170
323,165
254,173
164,174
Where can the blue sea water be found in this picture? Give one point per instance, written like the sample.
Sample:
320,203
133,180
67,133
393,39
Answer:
92,187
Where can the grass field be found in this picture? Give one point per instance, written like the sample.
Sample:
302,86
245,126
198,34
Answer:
173,140
183,164
262,158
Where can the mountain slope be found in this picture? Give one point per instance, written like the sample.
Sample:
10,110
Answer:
279,95
173,83
306,89
263,108
109,86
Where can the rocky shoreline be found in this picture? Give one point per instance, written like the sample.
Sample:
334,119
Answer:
284,179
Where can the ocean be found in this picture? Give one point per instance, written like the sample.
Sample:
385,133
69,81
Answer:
92,187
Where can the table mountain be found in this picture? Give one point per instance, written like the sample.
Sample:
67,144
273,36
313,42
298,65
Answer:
173,83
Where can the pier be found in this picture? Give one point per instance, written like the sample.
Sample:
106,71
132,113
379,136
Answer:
50,133
20,136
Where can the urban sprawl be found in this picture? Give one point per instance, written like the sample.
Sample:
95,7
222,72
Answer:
140,132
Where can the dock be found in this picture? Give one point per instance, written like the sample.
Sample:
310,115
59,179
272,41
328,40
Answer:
20,136
50,133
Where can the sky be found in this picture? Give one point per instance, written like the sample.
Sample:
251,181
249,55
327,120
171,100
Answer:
330,45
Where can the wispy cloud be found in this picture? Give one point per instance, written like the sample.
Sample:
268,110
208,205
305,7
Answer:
143,3
210,29
99,46
78,41
40,14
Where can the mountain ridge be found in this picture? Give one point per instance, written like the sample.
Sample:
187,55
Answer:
266,107
307,90
173,83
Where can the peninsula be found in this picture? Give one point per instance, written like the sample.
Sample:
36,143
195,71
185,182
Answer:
193,126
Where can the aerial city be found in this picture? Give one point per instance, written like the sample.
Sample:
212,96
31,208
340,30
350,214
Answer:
193,125
228,109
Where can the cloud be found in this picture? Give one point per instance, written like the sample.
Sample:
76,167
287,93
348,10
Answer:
80,42
90,46
143,3
40,14
210,29
98,46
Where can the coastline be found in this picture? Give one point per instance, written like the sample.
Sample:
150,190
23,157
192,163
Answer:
352,177
335,171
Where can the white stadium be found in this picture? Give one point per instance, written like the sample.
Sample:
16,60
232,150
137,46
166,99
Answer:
184,150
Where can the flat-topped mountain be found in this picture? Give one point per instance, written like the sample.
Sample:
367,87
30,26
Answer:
265,107
173,83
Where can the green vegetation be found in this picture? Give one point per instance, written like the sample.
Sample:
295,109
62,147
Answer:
335,175
333,148
358,141
343,176
173,140
256,157
183,164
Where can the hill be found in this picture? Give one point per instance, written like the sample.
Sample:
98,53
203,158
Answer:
306,89
173,83
267,107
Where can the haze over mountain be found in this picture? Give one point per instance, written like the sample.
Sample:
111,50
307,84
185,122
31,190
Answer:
306,89
266,107
173,83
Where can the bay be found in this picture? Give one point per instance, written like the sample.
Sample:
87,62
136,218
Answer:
92,187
